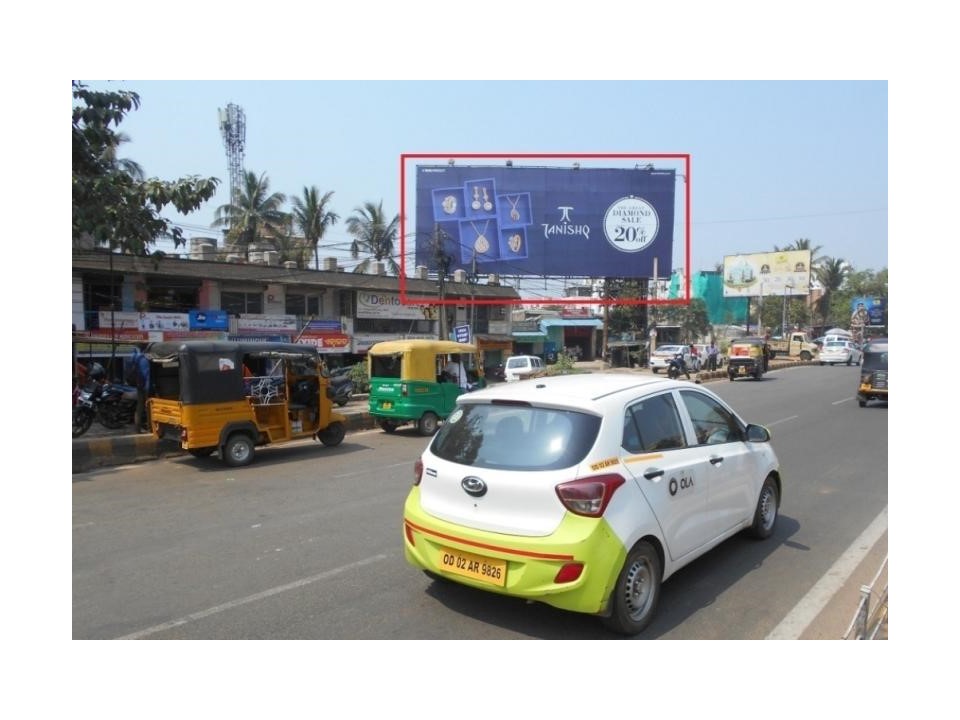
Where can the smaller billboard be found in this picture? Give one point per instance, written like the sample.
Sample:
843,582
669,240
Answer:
209,320
867,311
785,272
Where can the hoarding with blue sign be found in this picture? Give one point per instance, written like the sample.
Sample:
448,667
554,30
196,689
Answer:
209,320
867,311
547,221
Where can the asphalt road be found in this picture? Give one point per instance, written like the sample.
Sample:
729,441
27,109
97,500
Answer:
306,542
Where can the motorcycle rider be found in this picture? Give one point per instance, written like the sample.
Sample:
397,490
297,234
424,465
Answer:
681,364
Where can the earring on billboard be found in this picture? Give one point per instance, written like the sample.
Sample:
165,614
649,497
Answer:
476,199
487,205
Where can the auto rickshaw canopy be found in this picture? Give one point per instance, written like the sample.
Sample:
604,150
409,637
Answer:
418,357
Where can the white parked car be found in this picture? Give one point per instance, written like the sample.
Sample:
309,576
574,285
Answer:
586,492
840,351
661,357
519,367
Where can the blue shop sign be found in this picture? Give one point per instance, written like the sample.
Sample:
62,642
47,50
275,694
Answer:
209,320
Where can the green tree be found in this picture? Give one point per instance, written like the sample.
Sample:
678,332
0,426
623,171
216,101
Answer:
257,213
112,204
831,274
374,235
803,244
692,319
311,216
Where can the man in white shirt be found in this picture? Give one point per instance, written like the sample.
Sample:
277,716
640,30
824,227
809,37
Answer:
454,370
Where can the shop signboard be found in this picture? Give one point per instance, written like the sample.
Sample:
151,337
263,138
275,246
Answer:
209,320
372,304
327,342
155,321
266,324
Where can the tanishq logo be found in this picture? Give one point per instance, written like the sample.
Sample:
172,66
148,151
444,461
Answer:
566,226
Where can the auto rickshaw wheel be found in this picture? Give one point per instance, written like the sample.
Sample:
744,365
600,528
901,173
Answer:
202,452
238,450
332,434
427,425
388,426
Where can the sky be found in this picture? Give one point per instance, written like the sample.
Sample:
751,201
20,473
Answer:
771,161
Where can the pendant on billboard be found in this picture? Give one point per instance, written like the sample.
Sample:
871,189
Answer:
449,204
515,242
487,205
481,244
476,199
514,213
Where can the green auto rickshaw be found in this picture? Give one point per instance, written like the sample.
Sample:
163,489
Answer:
418,381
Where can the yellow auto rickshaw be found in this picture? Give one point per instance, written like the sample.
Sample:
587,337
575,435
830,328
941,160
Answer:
233,396
419,381
748,357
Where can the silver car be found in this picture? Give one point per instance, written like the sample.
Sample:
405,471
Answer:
840,351
661,357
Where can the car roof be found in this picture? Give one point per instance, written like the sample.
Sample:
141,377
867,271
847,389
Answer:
587,391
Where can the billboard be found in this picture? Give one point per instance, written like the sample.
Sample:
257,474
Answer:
867,311
777,273
546,221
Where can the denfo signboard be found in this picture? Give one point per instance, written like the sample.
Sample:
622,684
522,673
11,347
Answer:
763,274
546,221
387,305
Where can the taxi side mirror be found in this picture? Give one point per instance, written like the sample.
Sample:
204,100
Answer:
757,433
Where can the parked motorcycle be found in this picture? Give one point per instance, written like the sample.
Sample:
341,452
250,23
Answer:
117,405
83,411
341,388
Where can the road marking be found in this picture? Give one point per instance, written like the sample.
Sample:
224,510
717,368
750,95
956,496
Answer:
777,422
838,402
806,611
250,598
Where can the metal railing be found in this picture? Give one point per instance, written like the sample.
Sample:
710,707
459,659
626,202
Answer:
870,620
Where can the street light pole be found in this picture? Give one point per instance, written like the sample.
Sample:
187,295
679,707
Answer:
783,321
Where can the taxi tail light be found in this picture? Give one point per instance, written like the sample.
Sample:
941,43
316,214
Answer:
589,496
403,389
569,572
183,435
409,531
417,471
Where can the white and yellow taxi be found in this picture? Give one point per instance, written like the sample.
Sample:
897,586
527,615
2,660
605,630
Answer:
586,492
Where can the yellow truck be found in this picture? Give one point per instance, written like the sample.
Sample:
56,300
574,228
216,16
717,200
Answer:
796,345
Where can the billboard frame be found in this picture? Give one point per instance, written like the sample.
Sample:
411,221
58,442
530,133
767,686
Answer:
420,300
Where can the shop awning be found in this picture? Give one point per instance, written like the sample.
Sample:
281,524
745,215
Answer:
571,322
530,336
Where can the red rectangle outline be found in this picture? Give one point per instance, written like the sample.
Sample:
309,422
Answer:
408,300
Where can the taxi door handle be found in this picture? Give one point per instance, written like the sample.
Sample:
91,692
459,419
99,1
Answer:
715,460
653,473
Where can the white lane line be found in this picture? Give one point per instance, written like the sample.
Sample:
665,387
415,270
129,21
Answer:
838,402
250,598
777,422
806,611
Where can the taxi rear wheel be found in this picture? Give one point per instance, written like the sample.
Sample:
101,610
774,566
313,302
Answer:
388,426
333,434
637,591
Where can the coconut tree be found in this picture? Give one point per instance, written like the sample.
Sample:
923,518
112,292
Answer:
831,273
257,212
312,218
803,244
374,235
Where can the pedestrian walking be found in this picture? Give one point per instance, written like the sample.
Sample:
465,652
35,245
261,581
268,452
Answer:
141,375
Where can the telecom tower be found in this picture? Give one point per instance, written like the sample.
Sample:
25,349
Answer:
233,127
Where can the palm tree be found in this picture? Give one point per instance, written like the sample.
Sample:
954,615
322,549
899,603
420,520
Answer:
374,235
803,244
831,273
124,165
311,216
256,212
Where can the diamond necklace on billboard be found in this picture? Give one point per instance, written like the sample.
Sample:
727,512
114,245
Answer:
544,221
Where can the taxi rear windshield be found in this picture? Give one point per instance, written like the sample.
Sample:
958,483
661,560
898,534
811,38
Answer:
385,366
516,437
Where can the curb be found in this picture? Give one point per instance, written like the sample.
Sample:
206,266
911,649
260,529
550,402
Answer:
93,453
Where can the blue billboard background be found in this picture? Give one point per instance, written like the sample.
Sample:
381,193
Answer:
546,221
874,307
